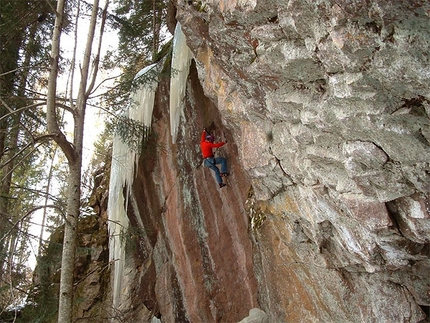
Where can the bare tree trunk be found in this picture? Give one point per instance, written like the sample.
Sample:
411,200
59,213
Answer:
157,12
73,151
51,116
69,243
45,210
66,283
154,34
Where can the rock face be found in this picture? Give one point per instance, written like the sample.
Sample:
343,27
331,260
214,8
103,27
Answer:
326,106
191,250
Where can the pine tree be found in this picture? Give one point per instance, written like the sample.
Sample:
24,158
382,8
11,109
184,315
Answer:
142,30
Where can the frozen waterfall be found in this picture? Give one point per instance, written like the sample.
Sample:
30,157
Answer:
181,59
125,159
124,164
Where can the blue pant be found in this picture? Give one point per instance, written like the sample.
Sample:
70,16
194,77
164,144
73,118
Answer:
212,162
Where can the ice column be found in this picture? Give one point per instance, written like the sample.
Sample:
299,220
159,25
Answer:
181,60
124,164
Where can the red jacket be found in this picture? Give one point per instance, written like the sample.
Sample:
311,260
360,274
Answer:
207,146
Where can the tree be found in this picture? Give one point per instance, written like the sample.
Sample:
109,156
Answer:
23,26
142,30
72,150
26,131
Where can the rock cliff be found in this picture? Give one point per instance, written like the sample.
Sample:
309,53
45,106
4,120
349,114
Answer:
325,106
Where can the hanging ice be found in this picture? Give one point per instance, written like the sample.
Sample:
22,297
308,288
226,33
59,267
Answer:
144,96
181,59
124,164
124,159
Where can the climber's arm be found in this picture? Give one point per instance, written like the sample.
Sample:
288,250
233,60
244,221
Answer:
218,144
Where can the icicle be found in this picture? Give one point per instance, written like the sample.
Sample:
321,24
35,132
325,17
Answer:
144,96
124,164
181,60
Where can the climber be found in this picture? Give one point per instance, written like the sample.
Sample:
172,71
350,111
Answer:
207,144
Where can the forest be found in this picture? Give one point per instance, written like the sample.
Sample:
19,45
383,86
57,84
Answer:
63,64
